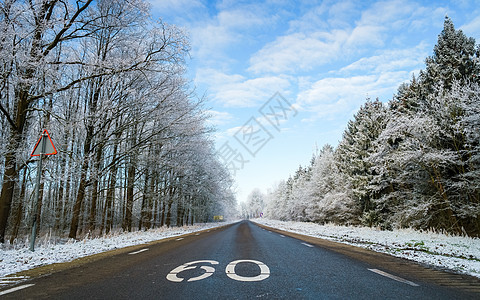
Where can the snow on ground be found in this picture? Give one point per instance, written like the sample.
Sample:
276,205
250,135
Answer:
20,258
456,253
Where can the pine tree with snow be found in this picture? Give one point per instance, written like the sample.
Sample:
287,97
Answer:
423,152
329,199
356,147
454,59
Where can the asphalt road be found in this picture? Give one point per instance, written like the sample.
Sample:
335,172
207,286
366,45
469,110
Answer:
242,261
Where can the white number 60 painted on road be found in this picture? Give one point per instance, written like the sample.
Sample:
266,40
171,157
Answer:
229,270
264,271
172,276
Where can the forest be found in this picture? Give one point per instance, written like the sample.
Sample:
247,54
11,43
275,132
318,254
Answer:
108,83
413,162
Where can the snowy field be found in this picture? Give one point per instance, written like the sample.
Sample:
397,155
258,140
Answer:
456,253
16,258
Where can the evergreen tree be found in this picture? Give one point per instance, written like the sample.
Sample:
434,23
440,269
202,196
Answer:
424,152
415,164
329,199
356,147
454,59
430,162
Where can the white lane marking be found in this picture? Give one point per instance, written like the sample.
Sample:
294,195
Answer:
14,277
139,251
399,279
17,288
179,239
264,271
308,245
9,280
282,235
197,233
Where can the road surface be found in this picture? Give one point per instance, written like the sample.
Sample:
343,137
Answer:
245,261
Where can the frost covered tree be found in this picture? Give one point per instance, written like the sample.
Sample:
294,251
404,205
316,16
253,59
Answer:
424,148
255,203
454,59
277,198
315,193
108,83
297,204
32,35
429,161
352,154
329,196
413,164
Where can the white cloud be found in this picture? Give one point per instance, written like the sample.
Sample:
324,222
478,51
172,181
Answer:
216,77
238,91
472,29
389,60
317,38
330,97
232,131
240,18
387,12
366,35
298,51
177,7
208,42
212,36
219,117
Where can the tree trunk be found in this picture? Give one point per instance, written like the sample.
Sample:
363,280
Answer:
129,201
19,212
162,213
148,223
94,197
111,189
110,215
81,193
180,210
10,173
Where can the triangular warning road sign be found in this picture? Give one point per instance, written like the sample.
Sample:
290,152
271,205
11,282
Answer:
49,147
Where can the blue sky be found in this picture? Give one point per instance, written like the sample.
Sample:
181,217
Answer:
322,58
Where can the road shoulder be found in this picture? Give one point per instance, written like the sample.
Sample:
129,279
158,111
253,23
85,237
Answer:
410,270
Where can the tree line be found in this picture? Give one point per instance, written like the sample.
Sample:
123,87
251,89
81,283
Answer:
107,81
413,162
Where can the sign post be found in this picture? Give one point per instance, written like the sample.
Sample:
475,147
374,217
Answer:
43,147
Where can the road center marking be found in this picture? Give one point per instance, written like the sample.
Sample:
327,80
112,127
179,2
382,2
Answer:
399,279
179,239
17,288
308,245
139,251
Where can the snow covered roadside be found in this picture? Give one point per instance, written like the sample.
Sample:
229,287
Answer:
456,253
16,260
